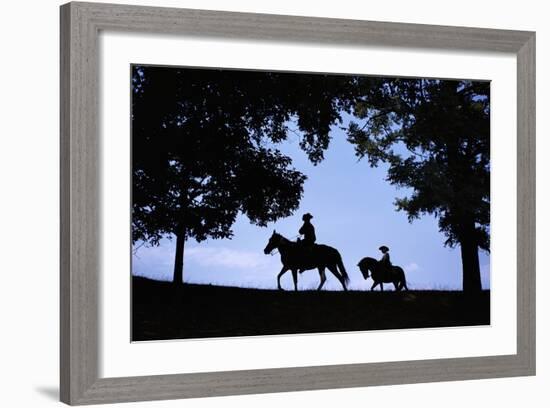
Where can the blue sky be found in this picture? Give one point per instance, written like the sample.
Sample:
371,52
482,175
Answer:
353,211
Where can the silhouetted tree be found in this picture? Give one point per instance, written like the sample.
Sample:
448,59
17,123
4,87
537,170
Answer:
434,135
203,148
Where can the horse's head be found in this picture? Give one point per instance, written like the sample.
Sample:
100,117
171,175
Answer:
367,265
274,242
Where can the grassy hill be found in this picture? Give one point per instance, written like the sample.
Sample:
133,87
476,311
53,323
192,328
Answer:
160,311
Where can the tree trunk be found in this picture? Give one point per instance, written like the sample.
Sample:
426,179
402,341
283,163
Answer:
178,263
471,275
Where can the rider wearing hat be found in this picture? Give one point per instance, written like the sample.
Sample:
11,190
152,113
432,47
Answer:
385,262
307,230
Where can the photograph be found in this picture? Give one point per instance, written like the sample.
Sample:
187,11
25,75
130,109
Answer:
274,204
278,203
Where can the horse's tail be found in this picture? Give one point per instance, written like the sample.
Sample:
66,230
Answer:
403,278
342,268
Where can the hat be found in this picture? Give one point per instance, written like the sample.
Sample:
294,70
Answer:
384,248
307,216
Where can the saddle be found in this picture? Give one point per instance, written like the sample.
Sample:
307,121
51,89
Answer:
386,271
307,252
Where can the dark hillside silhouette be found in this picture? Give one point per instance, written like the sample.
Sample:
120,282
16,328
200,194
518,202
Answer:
162,312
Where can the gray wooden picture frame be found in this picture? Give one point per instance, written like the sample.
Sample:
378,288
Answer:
80,234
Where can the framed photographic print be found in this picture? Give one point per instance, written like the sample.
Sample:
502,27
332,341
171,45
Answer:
242,192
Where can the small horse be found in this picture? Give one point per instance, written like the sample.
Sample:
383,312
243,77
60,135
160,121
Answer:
396,275
293,258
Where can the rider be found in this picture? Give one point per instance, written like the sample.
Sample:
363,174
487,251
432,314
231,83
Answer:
385,262
308,231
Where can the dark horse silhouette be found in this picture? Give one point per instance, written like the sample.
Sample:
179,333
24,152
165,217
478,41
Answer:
396,275
293,259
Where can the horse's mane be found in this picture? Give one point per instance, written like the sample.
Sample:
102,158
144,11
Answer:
367,259
285,238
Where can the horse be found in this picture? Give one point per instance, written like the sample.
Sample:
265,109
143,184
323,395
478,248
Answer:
293,259
396,275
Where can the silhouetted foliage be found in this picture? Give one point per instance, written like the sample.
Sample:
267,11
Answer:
434,134
203,147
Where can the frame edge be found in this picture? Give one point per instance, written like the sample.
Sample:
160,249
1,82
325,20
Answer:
526,204
64,174
79,178
79,154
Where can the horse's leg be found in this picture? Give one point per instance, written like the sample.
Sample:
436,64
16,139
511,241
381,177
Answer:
335,272
374,285
396,285
323,278
283,270
381,286
403,280
295,278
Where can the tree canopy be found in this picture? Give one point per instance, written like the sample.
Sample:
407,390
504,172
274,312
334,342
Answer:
435,136
203,147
